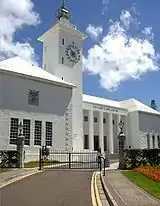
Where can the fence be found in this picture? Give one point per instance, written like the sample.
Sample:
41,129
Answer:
70,160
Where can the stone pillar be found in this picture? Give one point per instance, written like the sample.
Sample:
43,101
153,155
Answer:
20,151
91,131
110,129
121,138
101,133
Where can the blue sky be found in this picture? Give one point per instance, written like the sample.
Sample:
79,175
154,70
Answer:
99,13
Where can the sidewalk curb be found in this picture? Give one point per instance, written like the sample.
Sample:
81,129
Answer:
109,197
99,203
96,201
18,177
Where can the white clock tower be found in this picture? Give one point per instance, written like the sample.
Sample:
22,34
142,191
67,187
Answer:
62,57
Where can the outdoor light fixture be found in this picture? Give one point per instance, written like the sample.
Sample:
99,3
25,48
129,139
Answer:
20,128
121,125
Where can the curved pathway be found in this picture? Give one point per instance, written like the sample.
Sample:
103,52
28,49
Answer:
57,188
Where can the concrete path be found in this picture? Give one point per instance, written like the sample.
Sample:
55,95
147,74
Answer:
12,173
124,192
57,188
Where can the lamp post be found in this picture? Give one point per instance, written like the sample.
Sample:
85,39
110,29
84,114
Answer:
20,147
121,137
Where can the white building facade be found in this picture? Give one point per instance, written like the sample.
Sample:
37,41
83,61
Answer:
55,112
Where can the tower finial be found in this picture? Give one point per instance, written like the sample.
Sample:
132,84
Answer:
63,3
63,12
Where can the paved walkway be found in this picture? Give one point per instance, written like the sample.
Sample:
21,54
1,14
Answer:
124,192
13,173
57,188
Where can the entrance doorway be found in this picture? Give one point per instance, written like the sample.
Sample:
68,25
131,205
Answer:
105,143
96,142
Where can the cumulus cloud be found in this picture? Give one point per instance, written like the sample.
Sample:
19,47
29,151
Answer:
14,15
93,31
119,57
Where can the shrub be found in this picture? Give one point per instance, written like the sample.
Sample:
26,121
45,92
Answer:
135,158
8,158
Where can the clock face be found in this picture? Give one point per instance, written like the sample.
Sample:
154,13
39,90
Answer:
73,53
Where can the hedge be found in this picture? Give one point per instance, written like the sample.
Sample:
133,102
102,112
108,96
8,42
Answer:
135,158
8,158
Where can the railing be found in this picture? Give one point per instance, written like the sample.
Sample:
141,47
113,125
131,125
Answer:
72,160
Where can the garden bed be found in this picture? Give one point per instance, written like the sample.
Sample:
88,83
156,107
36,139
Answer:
150,172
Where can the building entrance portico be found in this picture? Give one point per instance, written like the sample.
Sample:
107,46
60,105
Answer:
102,129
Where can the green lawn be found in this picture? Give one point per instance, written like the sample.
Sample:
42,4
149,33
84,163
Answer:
144,182
36,164
3,170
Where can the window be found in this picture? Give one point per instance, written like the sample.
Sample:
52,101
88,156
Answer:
86,118
49,131
153,141
45,48
33,97
44,66
62,61
13,130
37,133
148,141
86,142
62,78
113,121
62,41
26,131
158,140
95,119
104,120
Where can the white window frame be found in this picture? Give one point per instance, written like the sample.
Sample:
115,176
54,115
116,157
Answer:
48,133
38,133
27,131
13,130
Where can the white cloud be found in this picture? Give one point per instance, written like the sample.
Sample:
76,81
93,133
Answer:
119,57
14,15
148,32
93,31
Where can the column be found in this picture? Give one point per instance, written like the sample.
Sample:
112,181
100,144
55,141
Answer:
126,131
91,130
156,140
150,139
110,131
118,130
101,133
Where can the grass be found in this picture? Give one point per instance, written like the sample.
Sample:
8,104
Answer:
3,170
144,182
36,164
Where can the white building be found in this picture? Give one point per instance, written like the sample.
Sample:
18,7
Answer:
53,108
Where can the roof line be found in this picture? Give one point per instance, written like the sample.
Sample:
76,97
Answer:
39,79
